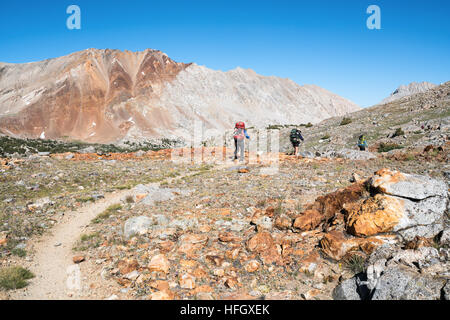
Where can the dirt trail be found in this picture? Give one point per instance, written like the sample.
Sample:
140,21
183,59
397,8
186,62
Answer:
53,252
52,260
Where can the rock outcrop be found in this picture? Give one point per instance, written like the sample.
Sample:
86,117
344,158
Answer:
407,90
396,274
409,205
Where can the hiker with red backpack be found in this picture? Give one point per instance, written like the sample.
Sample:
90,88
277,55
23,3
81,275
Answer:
239,134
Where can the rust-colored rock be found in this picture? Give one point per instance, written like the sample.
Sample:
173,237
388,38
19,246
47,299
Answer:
127,265
229,237
237,295
216,259
162,295
252,266
419,242
263,244
78,259
159,263
327,206
231,282
187,281
159,285
3,241
385,177
336,245
308,220
283,222
233,253
191,243
375,215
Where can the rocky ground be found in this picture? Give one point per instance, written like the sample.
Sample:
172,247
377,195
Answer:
214,231
334,223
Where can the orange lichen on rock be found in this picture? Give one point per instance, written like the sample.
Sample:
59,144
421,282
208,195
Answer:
386,177
336,245
326,207
375,215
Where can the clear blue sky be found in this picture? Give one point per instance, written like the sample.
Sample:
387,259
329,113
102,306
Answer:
317,42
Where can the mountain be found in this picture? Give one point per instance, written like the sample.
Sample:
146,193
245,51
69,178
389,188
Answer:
108,96
407,90
407,124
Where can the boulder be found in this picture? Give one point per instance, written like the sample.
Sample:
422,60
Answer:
420,258
308,220
409,205
445,238
353,154
407,186
252,266
446,290
326,207
346,290
375,215
401,283
137,225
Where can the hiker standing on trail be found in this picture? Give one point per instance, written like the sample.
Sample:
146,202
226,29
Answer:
239,134
362,143
296,137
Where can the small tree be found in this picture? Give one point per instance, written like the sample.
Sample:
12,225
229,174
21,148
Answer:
398,132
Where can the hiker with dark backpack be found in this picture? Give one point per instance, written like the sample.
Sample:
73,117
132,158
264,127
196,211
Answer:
239,134
296,137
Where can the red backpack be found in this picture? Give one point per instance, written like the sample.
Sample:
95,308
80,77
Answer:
240,125
239,130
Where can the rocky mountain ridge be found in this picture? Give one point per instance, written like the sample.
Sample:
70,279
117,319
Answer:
110,95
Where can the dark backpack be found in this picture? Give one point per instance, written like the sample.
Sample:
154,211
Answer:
295,135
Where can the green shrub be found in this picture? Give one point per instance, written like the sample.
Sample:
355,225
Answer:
385,147
19,252
14,278
355,263
398,132
308,125
325,137
345,121
91,240
107,213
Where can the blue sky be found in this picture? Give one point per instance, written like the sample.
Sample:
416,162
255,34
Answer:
317,42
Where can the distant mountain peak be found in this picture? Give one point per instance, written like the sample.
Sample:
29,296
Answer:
409,89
